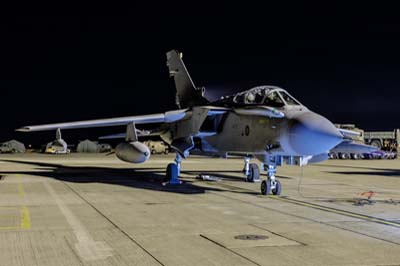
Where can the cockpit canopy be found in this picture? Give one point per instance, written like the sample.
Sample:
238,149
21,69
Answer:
265,95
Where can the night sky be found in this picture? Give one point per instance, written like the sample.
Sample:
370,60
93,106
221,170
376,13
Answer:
84,62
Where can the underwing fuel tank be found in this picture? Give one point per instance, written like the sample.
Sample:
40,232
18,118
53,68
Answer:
133,152
354,147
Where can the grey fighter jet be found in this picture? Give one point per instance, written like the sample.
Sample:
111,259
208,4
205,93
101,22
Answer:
265,122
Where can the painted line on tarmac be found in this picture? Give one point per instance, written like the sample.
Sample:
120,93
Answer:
87,248
25,217
305,218
21,190
321,207
113,223
337,211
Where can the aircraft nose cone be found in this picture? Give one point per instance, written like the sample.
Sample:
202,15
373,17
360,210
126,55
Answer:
312,134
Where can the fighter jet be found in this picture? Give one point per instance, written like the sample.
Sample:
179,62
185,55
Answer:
57,146
265,122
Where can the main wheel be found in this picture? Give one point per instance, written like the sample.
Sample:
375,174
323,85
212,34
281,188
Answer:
254,173
265,187
278,188
172,172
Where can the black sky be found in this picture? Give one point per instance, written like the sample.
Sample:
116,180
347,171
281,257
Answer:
65,63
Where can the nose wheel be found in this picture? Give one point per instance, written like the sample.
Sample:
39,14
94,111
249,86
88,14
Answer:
268,188
271,185
265,187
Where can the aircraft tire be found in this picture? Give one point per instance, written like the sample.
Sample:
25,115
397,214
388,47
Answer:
254,173
265,187
172,172
278,188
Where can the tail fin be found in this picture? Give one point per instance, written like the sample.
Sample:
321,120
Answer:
187,95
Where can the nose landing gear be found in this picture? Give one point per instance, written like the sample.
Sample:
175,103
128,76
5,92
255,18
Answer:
271,184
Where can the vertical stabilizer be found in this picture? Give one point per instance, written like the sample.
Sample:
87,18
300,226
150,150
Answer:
187,95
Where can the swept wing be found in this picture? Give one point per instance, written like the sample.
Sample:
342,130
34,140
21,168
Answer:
167,117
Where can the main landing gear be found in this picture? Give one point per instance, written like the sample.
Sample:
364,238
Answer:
251,171
271,185
173,172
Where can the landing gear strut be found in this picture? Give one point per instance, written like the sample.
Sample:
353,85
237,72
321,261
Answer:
173,172
271,185
251,171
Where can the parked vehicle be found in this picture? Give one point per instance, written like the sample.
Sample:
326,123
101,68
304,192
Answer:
12,146
157,147
384,140
387,141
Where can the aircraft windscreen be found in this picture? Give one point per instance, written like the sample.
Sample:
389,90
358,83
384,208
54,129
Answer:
288,99
273,100
264,95
254,96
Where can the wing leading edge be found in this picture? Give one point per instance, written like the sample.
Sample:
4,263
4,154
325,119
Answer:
167,117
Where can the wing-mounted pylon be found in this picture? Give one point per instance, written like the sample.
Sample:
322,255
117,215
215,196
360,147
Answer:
139,133
58,134
131,135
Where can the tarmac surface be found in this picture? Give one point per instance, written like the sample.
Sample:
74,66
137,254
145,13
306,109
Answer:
96,210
